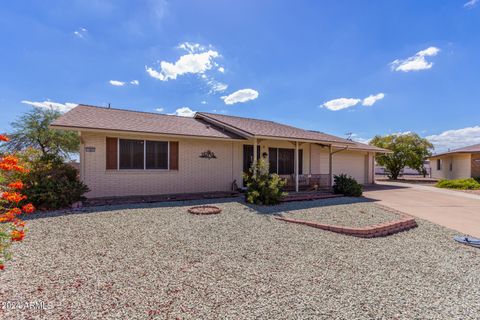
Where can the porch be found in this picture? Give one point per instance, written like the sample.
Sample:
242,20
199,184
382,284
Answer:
309,166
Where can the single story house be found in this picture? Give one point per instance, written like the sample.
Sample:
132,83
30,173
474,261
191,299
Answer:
126,153
456,164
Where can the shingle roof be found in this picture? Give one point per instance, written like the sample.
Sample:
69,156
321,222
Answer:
468,149
100,118
91,117
265,128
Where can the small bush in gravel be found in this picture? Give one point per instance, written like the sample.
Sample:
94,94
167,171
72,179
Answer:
347,185
263,187
462,184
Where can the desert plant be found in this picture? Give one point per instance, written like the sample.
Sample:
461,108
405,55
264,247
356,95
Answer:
52,184
462,184
347,185
12,204
263,187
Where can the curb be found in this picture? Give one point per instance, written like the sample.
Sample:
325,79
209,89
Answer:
405,222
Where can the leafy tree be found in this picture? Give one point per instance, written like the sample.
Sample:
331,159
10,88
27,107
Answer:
408,150
31,130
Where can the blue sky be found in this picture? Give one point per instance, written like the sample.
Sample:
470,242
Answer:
360,67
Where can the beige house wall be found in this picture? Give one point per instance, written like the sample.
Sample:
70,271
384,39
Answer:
358,164
460,165
197,174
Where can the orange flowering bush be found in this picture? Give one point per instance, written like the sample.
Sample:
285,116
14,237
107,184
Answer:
12,204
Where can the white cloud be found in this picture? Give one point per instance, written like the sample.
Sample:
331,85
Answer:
457,138
191,47
416,62
135,82
184,112
357,138
61,107
371,99
341,103
221,69
216,86
197,61
81,33
470,4
117,83
203,102
242,95
159,109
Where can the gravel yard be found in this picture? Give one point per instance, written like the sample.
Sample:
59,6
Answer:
351,214
158,261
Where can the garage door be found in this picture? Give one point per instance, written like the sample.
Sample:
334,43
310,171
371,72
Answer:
350,163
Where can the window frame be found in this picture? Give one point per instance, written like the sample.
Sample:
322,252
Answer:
439,164
144,155
119,153
300,157
168,155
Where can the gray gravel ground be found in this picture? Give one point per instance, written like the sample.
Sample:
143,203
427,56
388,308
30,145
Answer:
353,214
158,261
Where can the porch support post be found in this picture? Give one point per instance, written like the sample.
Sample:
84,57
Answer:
330,166
255,156
296,166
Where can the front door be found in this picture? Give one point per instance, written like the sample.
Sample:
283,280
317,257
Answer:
248,156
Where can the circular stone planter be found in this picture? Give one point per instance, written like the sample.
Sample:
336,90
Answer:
203,210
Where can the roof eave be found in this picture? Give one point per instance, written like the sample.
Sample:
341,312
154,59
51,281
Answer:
240,132
451,153
103,130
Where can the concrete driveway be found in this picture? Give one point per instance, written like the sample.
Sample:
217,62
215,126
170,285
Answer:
452,209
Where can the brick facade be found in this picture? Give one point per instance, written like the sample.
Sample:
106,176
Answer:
197,174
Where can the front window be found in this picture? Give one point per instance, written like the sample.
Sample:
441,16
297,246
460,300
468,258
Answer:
439,164
143,154
282,161
131,154
157,155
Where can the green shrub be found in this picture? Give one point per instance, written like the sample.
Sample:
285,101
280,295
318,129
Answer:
462,184
52,184
263,187
347,185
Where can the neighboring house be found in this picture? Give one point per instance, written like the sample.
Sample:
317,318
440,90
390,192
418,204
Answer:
127,153
407,171
457,164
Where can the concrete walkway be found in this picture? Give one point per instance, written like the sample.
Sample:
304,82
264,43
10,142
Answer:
452,209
